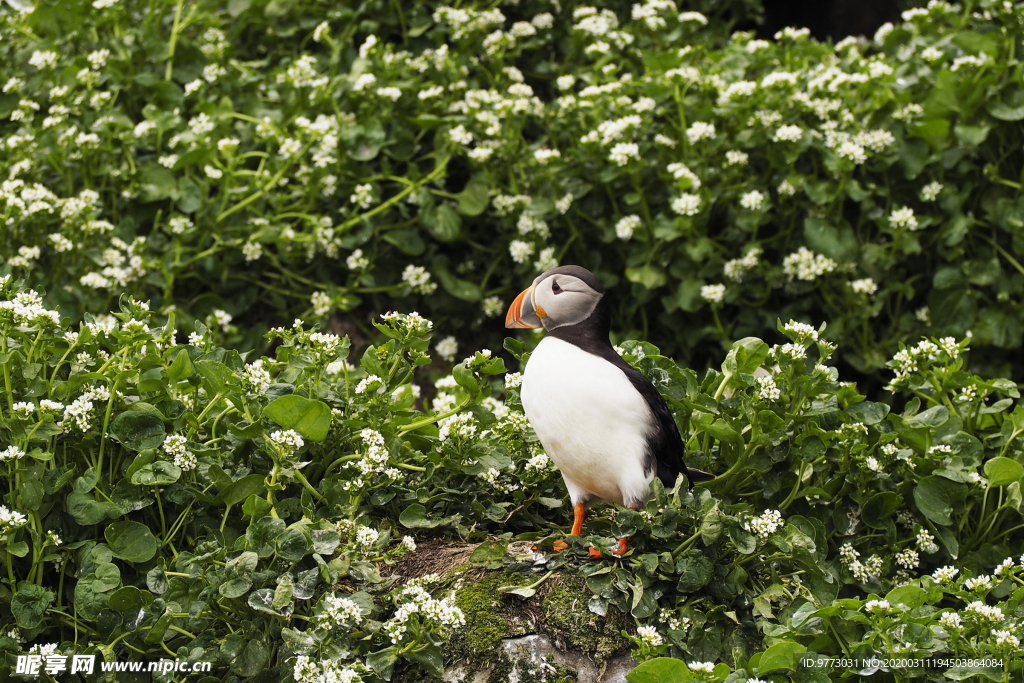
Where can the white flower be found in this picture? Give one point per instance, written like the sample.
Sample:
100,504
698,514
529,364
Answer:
736,158
447,348
43,59
513,380
736,268
340,612
362,196
520,250
1005,638
365,536
703,667
459,426
864,286
713,293
322,31
544,155
903,217
252,251
789,134
363,82
369,384
752,200
649,636
624,152
256,377
460,135
696,17
767,389
786,189
908,559
700,130
951,621
877,606
769,522
213,172
288,441
356,260
625,226
805,265
418,279
11,453
492,306
981,611
687,204
538,462
930,192
982,582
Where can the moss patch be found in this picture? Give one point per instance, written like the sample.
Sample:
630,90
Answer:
486,619
572,625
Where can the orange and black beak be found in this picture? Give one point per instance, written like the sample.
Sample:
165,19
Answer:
522,313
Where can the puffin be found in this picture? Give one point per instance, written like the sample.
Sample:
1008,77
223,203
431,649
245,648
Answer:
604,424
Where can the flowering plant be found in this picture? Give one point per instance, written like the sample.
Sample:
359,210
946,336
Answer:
439,157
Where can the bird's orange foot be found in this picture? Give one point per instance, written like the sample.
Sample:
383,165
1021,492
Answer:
618,552
559,546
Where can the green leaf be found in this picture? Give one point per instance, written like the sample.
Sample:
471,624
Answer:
694,570
383,662
660,670
292,544
878,510
784,656
935,496
131,541
1003,471
310,418
837,241
180,368
868,412
189,196
415,517
30,603
249,485
650,277
446,224
935,416
157,183
215,375
475,197
159,473
139,427
87,510
236,7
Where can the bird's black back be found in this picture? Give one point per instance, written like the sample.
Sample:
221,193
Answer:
664,443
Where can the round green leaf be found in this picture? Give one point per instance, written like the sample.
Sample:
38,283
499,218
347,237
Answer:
1003,471
310,418
131,541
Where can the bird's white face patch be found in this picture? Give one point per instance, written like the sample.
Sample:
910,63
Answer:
563,300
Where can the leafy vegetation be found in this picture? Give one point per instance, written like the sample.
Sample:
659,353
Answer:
177,498
249,172
267,160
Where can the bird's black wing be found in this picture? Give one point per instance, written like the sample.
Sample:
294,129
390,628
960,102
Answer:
664,444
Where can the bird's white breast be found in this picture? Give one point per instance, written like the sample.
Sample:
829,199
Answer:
590,420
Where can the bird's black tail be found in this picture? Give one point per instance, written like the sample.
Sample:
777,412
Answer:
695,475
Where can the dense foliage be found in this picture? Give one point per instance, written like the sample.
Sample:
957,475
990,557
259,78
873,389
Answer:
266,160
175,498
244,173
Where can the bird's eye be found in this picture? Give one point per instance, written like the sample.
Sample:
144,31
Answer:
555,288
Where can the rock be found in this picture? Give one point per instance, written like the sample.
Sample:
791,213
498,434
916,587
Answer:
534,657
550,637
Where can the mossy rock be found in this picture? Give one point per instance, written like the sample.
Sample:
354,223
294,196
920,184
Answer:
559,611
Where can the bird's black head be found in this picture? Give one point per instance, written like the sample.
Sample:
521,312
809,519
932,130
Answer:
568,301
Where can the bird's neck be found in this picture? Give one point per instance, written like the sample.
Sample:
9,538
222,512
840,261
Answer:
590,334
